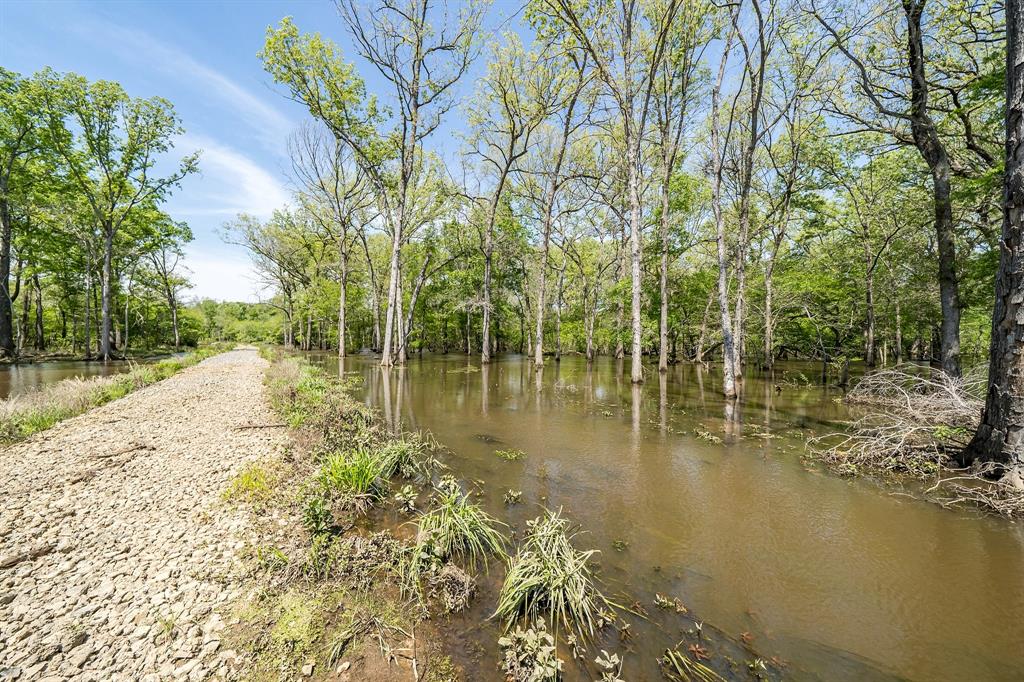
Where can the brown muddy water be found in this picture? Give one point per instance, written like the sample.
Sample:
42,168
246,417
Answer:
840,579
16,379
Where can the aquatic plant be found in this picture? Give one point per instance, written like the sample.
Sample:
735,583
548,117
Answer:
457,528
513,496
679,668
550,577
510,455
406,499
530,655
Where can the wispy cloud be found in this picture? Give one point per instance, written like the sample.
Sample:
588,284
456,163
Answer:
220,277
230,183
270,125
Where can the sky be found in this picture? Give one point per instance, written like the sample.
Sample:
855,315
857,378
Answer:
202,57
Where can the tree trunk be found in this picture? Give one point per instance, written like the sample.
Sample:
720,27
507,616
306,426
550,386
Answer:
769,318
717,156
107,293
663,284
6,299
342,285
40,337
1001,433
926,138
558,316
389,316
633,189
898,340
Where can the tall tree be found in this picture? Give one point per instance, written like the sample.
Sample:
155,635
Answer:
1000,436
116,144
626,41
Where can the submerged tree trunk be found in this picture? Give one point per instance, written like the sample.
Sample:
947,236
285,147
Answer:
1000,435
717,156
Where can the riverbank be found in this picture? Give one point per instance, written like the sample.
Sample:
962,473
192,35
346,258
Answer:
118,555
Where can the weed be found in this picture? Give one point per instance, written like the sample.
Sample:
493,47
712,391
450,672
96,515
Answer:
253,484
271,558
358,476
406,499
513,496
550,577
530,655
316,515
510,455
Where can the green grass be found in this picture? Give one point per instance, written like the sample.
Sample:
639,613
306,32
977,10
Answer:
510,455
550,578
253,484
357,476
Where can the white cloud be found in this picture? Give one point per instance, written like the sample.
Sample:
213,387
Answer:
221,277
229,183
270,125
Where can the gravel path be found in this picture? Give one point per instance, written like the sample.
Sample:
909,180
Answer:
116,549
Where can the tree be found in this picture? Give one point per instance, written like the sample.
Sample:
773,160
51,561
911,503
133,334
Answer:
627,43
110,156
1000,434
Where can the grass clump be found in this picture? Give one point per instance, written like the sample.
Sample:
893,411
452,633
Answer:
549,577
253,484
358,477
454,528
457,528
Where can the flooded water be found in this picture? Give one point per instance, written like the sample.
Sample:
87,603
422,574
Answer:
20,378
840,579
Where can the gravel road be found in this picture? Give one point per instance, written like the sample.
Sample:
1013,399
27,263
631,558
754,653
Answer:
118,556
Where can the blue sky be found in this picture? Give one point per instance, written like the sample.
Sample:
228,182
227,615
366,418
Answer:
202,57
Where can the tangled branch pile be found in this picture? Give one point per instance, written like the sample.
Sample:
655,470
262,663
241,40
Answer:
914,420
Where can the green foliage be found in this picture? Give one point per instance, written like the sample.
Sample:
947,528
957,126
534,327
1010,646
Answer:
510,455
530,655
358,477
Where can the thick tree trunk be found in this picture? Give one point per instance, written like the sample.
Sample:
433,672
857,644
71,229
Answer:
40,337
633,189
389,316
342,286
1000,435
898,340
663,283
558,316
869,327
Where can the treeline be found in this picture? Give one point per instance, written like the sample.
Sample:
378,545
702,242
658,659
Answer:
672,178
89,262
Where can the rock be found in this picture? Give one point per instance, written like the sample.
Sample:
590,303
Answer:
307,670
343,667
